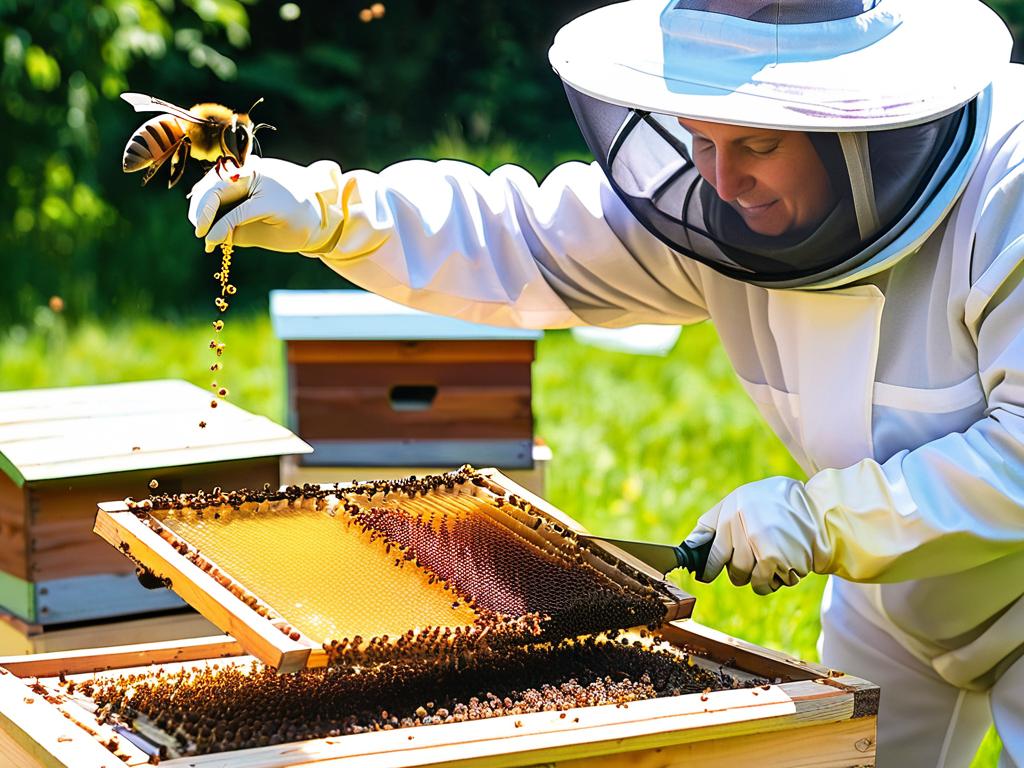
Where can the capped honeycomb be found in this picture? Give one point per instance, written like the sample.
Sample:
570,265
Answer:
441,566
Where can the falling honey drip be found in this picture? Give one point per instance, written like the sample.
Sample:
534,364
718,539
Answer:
222,304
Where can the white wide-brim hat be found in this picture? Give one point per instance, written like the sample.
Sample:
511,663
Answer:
901,63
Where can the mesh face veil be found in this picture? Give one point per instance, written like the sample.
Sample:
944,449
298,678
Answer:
770,206
749,142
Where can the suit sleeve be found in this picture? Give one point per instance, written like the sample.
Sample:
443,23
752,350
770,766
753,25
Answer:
498,248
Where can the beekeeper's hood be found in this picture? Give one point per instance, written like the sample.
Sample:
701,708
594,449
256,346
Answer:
889,99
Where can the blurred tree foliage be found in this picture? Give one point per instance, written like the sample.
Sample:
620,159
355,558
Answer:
428,78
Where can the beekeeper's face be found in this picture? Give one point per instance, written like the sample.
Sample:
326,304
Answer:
774,179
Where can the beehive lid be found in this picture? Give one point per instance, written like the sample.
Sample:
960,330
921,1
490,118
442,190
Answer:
444,564
361,316
50,434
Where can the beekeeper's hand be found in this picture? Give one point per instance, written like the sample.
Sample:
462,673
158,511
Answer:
764,534
277,205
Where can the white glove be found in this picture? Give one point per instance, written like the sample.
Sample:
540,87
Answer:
764,532
284,206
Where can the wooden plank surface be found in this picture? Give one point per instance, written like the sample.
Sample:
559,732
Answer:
202,592
38,735
17,638
493,414
17,596
89,660
55,433
13,521
849,744
471,375
602,735
312,352
98,596
726,649
358,314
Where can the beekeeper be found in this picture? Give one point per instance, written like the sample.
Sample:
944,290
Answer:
839,187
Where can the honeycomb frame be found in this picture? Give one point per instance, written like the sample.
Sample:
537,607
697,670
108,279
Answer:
134,528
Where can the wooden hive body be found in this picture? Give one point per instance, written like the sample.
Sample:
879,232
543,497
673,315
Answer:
770,709
375,384
808,715
61,450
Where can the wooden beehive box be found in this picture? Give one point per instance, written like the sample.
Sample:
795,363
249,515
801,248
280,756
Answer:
374,384
808,715
785,712
62,450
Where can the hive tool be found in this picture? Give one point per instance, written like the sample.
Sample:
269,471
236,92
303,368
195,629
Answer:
662,557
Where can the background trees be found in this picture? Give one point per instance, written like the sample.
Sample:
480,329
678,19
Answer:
428,78
457,78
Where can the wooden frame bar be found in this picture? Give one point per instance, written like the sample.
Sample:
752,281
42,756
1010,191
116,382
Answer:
813,716
121,528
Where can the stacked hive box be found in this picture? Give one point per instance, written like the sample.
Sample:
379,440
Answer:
61,450
381,390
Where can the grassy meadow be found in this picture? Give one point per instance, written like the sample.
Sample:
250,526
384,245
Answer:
642,445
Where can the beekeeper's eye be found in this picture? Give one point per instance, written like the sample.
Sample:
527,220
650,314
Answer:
701,144
765,147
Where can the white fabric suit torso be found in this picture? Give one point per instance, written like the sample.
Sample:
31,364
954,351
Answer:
902,397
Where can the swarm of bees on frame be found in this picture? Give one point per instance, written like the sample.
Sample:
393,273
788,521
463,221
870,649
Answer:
210,133
226,706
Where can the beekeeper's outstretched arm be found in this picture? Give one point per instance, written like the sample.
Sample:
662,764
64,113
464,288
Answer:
449,238
951,504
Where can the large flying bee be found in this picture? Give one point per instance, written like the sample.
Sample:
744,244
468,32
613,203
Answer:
210,133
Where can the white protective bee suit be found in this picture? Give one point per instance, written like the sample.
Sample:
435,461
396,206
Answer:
894,373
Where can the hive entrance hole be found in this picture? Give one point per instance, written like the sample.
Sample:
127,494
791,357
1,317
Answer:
412,397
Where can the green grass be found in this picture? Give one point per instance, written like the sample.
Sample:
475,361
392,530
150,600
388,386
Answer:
642,446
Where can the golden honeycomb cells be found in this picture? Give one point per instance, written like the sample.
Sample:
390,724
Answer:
327,575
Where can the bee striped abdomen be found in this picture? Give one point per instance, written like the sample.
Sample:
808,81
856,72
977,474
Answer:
153,141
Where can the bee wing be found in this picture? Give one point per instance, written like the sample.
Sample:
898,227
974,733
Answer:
143,103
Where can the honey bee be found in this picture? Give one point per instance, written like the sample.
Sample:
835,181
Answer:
210,133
